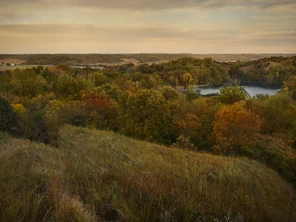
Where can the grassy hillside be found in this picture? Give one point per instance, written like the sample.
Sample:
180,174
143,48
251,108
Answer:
99,175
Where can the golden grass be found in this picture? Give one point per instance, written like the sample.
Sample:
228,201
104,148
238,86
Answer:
99,175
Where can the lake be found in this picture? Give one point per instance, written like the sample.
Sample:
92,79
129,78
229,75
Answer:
252,90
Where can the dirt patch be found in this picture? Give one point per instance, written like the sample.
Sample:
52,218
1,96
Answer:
124,61
158,61
133,60
13,61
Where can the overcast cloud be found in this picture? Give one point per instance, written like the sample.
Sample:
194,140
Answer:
193,26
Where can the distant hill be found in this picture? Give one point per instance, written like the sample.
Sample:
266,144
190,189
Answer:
102,176
116,59
272,70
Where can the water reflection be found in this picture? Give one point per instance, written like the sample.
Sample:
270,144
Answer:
252,90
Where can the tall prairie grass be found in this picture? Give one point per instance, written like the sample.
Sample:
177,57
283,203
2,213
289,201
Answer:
103,176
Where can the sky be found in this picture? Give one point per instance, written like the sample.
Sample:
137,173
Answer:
148,26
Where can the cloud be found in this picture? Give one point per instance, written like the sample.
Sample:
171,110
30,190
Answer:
142,26
177,4
152,4
94,33
278,4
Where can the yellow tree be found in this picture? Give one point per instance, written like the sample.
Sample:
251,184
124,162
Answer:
187,80
234,128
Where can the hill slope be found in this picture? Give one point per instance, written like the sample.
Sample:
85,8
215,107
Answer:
99,175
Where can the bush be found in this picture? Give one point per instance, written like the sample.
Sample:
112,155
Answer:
183,142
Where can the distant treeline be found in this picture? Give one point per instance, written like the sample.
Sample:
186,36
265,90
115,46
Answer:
267,71
90,59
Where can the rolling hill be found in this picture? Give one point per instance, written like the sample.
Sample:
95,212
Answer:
102,176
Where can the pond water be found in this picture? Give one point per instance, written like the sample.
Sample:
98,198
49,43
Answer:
252,90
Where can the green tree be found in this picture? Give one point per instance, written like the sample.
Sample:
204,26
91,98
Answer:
205,110
7,118
68,85
290,85
169,93
27,83
230,95
98,79
5,87
54,116
146,115
279,117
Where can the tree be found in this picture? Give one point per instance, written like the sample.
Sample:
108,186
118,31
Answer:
205,110
129,86
98,79
187,80
54,117
189,126
27,83
146,115
279,117
169,93
278,112
235,72
150,82
230,95
6,115
184,142
31,117
290,85
67,85
5,87
102,112
234,128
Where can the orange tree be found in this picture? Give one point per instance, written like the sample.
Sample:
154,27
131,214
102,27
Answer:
102,111
234,128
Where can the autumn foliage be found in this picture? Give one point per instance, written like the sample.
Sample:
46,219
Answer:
234,128
155,103
102,111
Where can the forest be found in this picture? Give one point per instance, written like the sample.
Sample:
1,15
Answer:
156,103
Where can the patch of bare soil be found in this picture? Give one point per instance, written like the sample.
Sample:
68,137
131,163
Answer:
12,61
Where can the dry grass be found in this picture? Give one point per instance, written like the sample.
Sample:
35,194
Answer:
102,176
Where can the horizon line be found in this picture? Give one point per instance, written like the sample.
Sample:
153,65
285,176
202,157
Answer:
137,53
